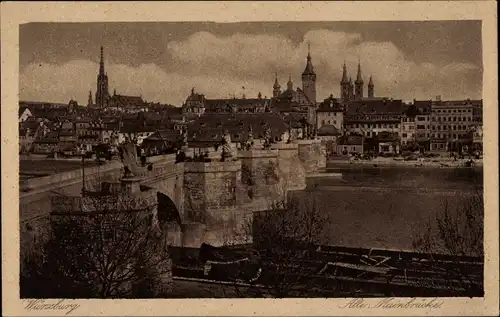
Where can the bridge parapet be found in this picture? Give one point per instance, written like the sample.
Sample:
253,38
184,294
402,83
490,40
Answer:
260,172
292,172
312,154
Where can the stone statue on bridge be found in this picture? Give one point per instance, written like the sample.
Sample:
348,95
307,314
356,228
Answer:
290,135
184,140
129,158
314,133
249,141
267,138
226,146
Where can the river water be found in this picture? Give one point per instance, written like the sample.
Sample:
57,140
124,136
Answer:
383,207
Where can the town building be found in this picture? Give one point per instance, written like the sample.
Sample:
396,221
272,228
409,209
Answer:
477,138
46,144
371,117
349,144
29,131
408,129
208,130
452,122
163,142
127,103
330,123
388,143
420,111
46,110
330,112
197,104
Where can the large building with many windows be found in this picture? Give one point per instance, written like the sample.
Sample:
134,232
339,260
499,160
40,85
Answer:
453,122
441,125
370,117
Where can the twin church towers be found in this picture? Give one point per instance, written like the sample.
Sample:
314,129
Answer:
350,91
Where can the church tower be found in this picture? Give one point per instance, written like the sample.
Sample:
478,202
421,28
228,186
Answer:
102,94
344,85
90,101
309,79
371,92
358,89
289,84
351,89
276,87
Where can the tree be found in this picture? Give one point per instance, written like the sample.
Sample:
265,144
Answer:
106,248
285,235
457,232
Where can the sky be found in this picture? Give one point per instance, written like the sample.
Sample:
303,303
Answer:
163,61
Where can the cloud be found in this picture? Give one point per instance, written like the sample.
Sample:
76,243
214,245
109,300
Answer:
219,66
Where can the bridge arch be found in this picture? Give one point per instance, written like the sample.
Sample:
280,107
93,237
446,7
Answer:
167,209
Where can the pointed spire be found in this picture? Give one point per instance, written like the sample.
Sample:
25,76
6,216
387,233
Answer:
289,84
276,83
101,63
309,70
344,74
90,97
359,78
371,90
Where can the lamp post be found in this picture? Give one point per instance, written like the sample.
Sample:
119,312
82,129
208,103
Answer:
82,152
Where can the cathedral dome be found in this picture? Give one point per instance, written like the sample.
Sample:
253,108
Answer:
276,83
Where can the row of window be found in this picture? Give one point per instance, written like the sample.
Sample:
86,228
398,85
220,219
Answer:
448,135
408,127
329,122
452,111
454,119
375,126
438,146
333,114
373,134
454,127
440,135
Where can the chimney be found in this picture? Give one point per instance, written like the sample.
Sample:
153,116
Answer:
438,98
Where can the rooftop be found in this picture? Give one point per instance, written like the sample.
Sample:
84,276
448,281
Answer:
376,106
210,126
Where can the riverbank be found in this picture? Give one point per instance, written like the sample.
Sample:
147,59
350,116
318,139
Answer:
422,162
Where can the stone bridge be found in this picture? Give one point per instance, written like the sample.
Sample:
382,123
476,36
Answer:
35,195
214,189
